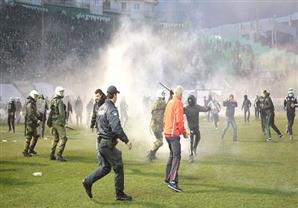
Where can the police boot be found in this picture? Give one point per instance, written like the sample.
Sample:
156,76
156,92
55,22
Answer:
52,155
61,158
32,146
26,152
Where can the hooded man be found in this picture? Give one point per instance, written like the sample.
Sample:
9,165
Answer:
290,103
32,118
192,111
269,110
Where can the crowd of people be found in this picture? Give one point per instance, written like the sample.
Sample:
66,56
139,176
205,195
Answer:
167,122
35,42
237,56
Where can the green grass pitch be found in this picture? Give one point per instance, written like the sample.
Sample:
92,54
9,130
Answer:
251,173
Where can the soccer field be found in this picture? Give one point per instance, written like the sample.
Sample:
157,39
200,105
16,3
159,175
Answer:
250,173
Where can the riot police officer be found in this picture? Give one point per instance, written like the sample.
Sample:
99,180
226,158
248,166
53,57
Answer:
57,120
157,113
32,118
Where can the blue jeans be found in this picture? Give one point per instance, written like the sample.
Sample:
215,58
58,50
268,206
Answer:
232,122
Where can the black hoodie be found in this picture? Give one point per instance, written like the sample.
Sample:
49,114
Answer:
192,111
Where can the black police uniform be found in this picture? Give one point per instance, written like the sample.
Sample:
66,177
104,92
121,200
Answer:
109,130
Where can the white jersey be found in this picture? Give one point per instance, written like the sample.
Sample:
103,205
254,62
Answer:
215,106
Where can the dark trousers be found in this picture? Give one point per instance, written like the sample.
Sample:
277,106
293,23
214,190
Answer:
263,121
111,157
98,155
246,115
31,138
195,138
270,123
257,113
174,158
10,121
291,118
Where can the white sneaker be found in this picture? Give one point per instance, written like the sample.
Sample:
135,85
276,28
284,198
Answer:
268,140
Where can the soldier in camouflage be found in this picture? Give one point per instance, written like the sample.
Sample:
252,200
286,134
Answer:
32,118
156,123
57,122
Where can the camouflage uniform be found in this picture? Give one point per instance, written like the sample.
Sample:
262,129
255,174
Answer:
31,124
58,118
156,126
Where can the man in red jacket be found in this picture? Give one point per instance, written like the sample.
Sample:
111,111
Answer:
174,127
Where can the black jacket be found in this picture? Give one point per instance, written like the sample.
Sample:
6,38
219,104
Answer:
192,113
11,107
268,105
290,103
246,104
96,106
108,122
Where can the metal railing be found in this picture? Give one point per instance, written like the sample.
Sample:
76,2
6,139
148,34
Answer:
68,3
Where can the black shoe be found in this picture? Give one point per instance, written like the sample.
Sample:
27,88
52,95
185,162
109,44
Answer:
280,136
52,157
32,152
87,188
123,197
61,159
26,154
173,185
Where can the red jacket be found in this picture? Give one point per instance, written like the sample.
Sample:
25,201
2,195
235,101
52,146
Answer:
173,124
